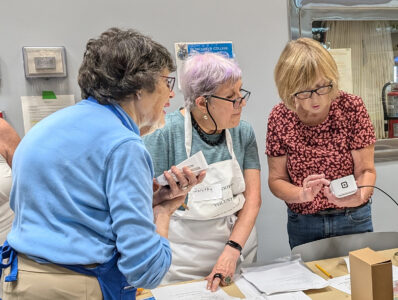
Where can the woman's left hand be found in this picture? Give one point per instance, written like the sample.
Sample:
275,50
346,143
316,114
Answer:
348,201
225,266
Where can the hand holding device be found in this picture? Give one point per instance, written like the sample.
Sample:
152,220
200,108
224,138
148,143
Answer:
344,186
196,163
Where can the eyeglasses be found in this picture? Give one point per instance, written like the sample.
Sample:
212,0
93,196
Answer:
323,90
236,102
169,81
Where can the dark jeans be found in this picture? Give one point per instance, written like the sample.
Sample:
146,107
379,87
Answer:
307,228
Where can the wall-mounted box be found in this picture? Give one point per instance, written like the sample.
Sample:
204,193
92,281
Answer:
44,62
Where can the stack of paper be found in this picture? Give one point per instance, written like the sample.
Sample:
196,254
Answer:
288,276
252,293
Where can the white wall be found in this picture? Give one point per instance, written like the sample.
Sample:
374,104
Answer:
258,29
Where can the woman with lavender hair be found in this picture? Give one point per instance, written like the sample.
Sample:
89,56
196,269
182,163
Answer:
216,233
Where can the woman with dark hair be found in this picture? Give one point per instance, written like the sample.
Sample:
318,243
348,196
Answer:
83,182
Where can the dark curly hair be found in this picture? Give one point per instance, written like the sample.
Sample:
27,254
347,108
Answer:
120,63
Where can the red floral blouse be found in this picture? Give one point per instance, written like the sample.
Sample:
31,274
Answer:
325,148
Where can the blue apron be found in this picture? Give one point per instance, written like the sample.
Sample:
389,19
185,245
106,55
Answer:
114,285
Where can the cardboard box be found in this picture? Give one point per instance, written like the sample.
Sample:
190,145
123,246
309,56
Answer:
371,275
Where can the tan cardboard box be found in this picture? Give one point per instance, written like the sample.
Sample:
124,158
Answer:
371,275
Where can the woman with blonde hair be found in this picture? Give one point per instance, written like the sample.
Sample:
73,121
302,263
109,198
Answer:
318,134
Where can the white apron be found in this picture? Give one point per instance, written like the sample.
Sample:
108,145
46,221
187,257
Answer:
6,214
197,236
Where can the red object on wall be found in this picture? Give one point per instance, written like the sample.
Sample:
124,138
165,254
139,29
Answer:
392,108
1,114
393,128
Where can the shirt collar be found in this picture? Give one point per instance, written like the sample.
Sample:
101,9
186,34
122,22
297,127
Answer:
127,121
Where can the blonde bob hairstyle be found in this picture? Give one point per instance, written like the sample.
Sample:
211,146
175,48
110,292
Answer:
302,63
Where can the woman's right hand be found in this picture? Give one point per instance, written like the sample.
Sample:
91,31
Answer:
311,186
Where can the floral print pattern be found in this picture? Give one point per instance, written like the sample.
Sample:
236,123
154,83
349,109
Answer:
324,148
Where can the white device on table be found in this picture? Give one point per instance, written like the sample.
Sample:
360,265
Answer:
343,186
196,163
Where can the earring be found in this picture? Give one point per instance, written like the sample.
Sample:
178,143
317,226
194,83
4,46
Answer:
205,117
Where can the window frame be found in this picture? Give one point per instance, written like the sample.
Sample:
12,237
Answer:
301,18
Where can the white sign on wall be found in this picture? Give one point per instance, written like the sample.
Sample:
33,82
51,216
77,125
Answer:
35,108
342,58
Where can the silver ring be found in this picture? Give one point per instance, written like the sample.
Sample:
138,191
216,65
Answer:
185,187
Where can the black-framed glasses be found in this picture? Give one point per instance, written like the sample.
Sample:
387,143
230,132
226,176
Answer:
170,81
236,102
323,90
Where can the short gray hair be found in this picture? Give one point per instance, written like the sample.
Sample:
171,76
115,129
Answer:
120,63
204,73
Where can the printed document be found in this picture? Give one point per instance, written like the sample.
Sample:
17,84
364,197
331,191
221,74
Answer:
341,283
189,291
283,277
252,293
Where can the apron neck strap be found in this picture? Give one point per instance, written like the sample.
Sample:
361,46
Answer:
188,135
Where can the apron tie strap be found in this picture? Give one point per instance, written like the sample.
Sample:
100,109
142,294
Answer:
7,252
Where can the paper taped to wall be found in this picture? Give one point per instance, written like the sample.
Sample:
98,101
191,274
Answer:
35,108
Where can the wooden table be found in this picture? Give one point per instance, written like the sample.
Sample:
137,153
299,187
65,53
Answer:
333,265
336,269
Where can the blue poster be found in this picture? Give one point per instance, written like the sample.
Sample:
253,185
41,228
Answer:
224,48
184,49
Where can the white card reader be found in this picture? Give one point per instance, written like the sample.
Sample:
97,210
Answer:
343,186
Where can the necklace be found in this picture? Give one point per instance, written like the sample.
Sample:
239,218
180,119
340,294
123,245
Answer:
203,136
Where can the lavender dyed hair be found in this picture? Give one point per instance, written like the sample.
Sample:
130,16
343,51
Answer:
204,73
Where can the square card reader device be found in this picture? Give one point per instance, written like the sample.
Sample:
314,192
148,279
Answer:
343,186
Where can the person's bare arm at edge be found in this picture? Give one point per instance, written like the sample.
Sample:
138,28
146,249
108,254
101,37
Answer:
8,142
227,261
364,173
280,186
